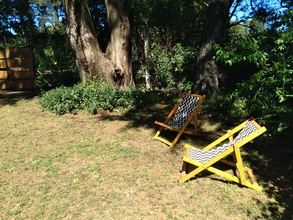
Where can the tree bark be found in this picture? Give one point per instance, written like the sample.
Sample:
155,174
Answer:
119,47
114,66
207,73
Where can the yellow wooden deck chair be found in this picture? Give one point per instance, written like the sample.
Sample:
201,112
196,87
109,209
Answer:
203,159
184,112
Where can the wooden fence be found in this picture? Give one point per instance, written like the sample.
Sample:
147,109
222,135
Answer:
17,69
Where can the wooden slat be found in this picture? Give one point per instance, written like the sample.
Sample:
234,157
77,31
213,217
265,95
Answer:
27,63
4,84
25,74
22,84
3,74
3,64
16,69
18,53
2,54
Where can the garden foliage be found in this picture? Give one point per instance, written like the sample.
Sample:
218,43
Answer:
267,92
93,96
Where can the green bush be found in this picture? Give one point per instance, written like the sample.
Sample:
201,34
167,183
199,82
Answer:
168,69
94,96
228,107
268,93
62,100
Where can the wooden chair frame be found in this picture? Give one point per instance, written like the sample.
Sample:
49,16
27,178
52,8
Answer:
236,163
185,129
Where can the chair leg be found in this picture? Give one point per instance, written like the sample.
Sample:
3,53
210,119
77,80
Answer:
250,174
195,125
234,157
179,134
240,165
191,174
158,132
175,140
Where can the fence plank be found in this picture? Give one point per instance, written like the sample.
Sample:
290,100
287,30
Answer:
2,53
25,52
3,74
3,64
22,84
17,69
25,63
24,74
4,84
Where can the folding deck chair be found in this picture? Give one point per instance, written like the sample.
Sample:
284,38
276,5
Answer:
184,111
203,159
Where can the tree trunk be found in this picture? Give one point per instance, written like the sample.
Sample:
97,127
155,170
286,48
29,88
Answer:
56,16
207,73
114,67
144,40
147,72
119,47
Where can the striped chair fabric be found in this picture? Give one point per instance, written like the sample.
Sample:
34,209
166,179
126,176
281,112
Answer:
184,111
204,156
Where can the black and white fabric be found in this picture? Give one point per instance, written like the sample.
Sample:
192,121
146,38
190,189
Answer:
204,156
185,109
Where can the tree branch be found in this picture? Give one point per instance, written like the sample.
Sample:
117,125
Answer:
234,9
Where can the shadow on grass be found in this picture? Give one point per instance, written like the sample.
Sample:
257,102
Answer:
8,97
270,161
145,118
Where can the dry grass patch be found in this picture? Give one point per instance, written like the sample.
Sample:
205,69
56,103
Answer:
100,167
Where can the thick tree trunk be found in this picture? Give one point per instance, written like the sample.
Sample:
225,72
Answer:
207,73
114,66
89,57
119,47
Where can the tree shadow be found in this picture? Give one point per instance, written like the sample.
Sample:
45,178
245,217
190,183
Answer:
269,161
145,118
272,162
8,97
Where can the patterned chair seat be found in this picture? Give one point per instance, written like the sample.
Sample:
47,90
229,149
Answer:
204,156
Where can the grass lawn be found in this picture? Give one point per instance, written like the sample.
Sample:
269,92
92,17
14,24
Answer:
107,166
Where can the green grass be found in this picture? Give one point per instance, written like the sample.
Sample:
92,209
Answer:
105,166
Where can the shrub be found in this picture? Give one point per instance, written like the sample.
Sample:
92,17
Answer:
267,94
94,96
62,100
169,69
